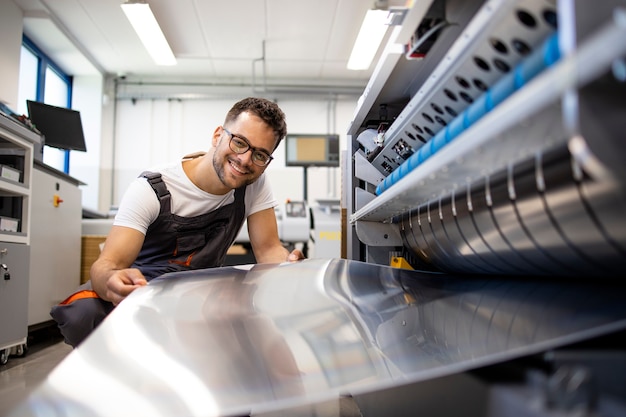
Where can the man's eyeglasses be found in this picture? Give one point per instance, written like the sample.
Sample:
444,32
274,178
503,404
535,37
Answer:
240,145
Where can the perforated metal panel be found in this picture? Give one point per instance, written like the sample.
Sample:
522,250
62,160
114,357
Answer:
498,38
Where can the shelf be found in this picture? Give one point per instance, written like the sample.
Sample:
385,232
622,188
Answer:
16,164
16,170
14,237
13,188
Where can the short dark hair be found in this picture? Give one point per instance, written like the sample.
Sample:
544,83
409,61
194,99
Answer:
267,110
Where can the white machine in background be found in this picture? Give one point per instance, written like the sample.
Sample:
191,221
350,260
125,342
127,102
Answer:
317,229
293,220
326,229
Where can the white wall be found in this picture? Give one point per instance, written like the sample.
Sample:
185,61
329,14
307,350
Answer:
87,98
10,47
152,132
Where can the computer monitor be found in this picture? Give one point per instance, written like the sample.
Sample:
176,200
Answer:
307,150
62,128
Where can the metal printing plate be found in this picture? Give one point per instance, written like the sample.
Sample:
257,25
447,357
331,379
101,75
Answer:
264,338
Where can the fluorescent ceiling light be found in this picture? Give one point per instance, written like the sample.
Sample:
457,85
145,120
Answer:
149,32
372,32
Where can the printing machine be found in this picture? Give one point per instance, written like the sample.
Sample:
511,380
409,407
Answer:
490,142
485,238
505,152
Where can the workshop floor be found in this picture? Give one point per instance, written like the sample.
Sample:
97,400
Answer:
23,374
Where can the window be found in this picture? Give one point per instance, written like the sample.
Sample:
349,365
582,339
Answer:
43,80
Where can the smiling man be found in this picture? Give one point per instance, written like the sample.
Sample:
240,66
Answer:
185,215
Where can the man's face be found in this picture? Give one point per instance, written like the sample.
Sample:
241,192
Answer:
235,170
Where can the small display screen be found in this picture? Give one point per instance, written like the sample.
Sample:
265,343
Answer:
62,128
312,150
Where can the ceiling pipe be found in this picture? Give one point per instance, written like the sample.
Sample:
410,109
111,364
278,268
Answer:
254,61
128,89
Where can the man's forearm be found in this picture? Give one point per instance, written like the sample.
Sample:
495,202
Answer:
99,273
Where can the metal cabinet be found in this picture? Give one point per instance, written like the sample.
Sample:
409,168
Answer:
16,165
55,241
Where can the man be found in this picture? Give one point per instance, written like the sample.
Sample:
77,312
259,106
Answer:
186,215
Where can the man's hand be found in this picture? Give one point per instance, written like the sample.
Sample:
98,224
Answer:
295,255
122,283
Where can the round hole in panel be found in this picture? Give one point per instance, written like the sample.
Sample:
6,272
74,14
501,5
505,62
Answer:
481,63
466,97
427,117
550,18
462,82
521,47
436,108
440,120
501,65
499,46
421,138
430,132
526,18
480,85
417,128
451,111
409,134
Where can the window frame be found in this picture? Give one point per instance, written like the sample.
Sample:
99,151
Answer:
44,62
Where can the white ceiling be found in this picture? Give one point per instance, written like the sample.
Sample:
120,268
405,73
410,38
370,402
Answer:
296,42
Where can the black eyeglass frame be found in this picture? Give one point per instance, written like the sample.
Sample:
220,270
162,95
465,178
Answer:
255,151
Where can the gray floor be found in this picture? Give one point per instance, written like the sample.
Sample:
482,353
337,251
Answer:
22,374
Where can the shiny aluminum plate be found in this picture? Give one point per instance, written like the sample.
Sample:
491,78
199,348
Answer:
264,338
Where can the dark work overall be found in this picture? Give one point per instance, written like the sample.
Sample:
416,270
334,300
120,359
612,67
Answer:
173,243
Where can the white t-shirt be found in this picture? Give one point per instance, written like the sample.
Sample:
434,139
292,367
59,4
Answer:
140,205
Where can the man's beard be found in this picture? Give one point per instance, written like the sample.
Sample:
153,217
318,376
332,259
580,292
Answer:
218,165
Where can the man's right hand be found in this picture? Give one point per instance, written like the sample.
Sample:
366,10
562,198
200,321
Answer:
122,282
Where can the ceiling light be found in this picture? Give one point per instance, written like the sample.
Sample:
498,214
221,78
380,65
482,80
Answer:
149,32
368,41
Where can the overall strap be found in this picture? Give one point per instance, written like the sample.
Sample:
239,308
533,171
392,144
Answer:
160,189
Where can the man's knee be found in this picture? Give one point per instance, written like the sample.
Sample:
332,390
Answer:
77,319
